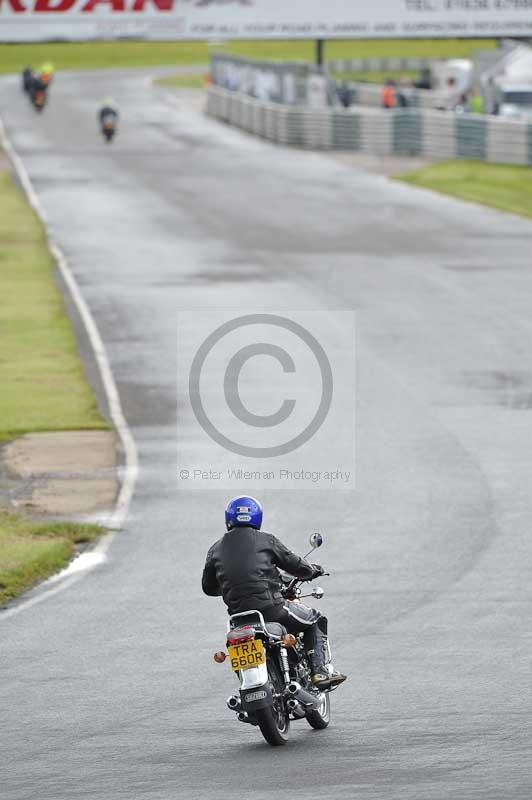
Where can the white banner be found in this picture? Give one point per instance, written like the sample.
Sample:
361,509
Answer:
34,20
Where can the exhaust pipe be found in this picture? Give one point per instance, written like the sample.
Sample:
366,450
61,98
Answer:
305,698
242,716
295,708
233,703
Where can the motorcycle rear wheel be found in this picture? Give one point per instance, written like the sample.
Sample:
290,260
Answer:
274,725
274,722
320,718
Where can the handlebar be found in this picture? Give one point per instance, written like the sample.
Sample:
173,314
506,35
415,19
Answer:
291,588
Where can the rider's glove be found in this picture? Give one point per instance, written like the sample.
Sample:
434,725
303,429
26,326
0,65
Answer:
317,570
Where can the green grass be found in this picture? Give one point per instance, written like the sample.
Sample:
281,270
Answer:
87,55
191,80
502,186
376,77
44,387
31,551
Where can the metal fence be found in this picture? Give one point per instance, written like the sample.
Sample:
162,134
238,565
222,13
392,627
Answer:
287,81
379,64
436,134
275,81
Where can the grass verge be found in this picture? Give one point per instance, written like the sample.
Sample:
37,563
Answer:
91,55
32,551
44,387
504,186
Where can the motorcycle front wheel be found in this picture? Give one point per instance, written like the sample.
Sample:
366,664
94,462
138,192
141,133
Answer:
320,718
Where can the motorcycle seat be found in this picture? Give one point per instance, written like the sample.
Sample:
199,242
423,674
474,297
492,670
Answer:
275,628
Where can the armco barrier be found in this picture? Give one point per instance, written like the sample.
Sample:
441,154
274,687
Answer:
415,131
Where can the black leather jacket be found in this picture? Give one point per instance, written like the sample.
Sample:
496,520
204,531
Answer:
242,567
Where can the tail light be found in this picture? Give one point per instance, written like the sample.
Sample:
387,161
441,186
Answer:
220,657
239,635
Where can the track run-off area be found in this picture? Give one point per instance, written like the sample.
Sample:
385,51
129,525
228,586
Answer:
108,689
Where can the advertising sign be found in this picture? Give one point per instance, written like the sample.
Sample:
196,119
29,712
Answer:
33,20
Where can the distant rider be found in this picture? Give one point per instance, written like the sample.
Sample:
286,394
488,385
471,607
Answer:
107,110
45,73
243,566
27,77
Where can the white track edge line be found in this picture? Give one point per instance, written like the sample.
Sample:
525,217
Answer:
131,470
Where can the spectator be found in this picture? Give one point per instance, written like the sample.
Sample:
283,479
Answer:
461,104
345,94
388,95
424,80
491,96
476,103
404,91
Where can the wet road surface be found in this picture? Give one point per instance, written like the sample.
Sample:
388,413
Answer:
108,689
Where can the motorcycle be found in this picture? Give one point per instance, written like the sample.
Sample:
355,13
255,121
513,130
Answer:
108,125
36,85
38,98
273,669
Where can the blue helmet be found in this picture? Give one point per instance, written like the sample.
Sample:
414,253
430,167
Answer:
243,512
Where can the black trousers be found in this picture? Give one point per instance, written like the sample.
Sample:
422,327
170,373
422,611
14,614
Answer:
298,618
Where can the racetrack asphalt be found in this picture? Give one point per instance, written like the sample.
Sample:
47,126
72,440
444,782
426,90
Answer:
108,689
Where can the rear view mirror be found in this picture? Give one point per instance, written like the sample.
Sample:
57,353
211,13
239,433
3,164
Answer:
316,540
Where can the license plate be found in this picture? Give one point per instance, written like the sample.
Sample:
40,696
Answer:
246,655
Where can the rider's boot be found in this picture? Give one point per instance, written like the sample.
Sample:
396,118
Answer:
322,677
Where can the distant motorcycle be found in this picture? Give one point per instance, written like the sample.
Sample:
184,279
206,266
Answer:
38,96
273,670
36,85
108,122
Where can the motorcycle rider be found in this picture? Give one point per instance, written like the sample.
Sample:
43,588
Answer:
27,77
108,109
243,566
36,83
45,72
